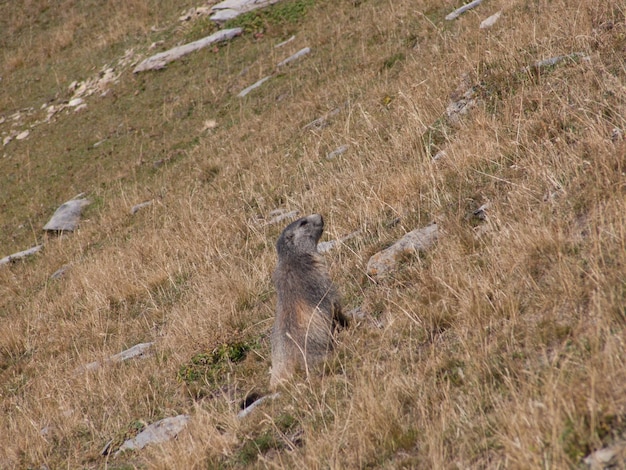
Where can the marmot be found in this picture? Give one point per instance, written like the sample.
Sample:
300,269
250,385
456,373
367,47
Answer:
308,307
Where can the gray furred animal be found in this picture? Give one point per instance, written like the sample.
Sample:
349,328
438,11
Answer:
308,307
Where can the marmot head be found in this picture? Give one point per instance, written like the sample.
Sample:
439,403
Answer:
301,236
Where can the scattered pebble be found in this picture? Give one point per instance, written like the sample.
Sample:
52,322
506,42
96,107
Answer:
386,261
75,102
245,91
66,217
158,432
279,215
22,135
246,411
489,22
294,57
136,208
281,44
458,12
338,151
20,255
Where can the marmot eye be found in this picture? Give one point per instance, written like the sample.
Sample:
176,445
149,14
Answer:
303,223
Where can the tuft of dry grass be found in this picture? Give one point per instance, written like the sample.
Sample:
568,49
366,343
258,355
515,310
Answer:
503,346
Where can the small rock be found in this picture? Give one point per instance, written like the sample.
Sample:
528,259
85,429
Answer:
418,240
489,22
280,215
281,44
75,102
20,255
246,411
7,139
439,155
322,121
294,57
462,106
458,12
208,125
338,151
80,107
610,457
255,85
329,245
22,135
66,217
138,351
480,212
59,273
136,208
229,9
158,432
617,134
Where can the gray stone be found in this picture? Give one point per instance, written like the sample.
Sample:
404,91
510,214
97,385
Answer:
294,57
613,456
331,244
140,206
139,351
254,86
67,216
279,215
386,261
20,255
338,151
229,9
459,11
246,411
156,433
160,60
489,22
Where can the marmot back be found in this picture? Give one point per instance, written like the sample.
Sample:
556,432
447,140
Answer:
308,306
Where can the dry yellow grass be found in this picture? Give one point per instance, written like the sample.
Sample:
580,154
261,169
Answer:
502,347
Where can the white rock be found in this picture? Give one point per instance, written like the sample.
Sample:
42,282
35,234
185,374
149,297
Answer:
458,12
22,135
281,44
158,432
160,60
489,22
75,102
418,240
66,217
296,56
229,9
338,151
136,208
254,86
20,255
246,411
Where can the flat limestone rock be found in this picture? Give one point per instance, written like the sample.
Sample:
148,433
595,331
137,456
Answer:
324,247
20,255
294,57
254,86
158,432
613,456
458,12
489,22
385,261
66,217
250,408
229,9
160,60
139,351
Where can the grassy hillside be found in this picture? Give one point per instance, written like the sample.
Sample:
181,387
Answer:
501,347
